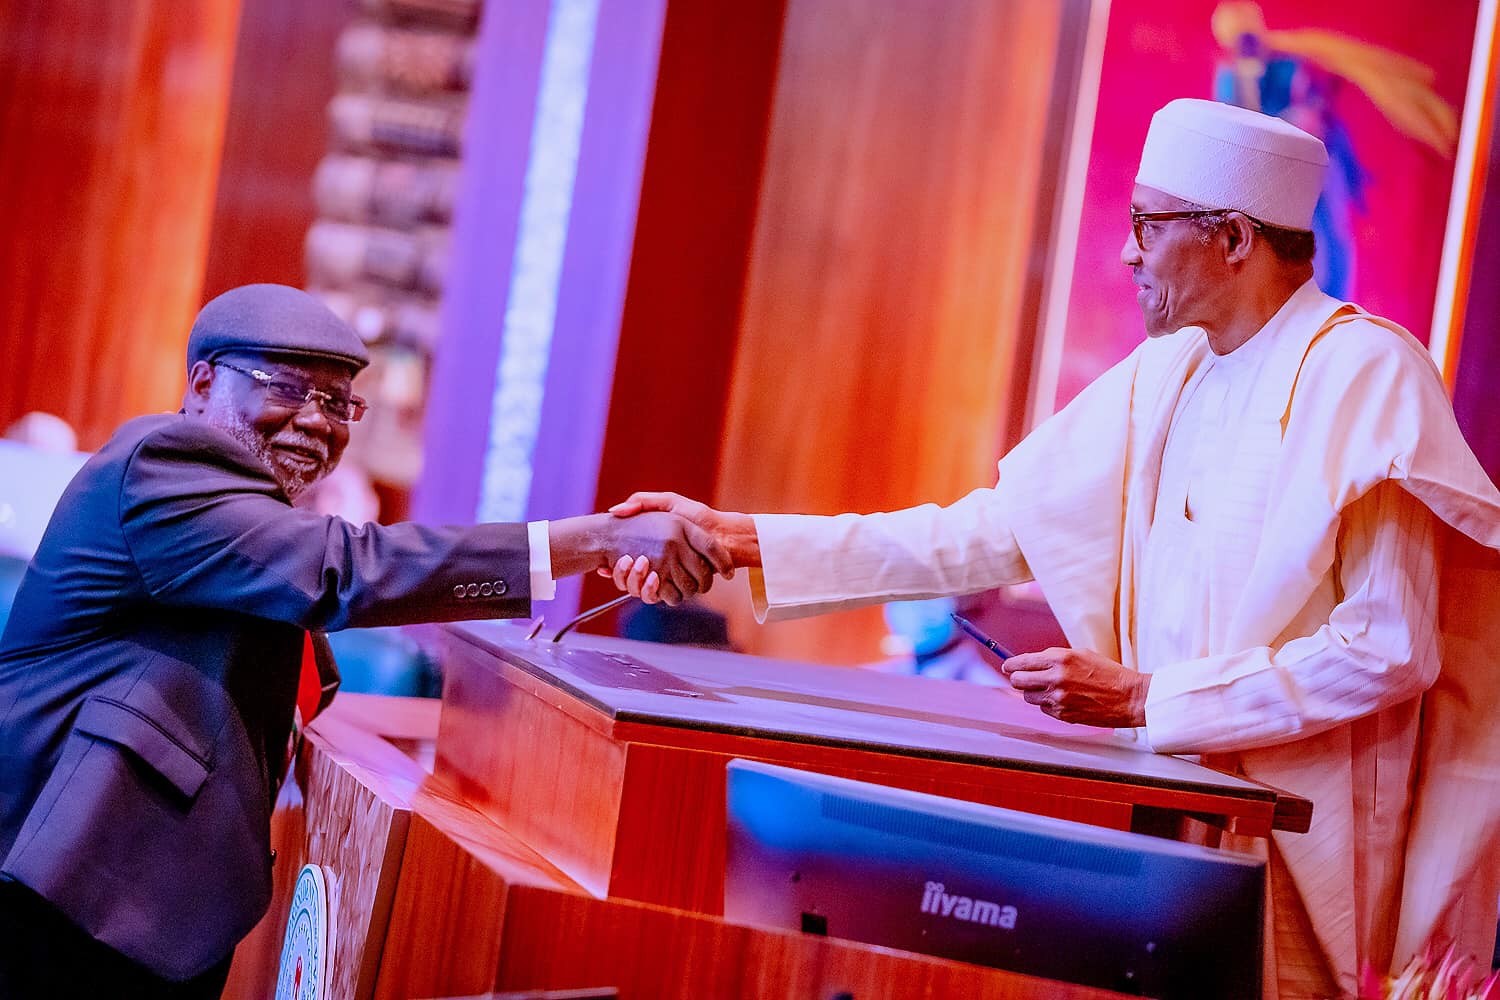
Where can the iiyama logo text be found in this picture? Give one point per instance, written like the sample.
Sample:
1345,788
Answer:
976,911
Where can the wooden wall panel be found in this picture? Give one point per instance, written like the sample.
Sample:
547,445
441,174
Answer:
277,132
111,120
906,175
699,200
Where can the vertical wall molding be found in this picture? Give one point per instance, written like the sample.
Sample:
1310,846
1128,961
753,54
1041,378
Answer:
541,243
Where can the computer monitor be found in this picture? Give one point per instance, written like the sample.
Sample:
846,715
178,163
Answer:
1047,897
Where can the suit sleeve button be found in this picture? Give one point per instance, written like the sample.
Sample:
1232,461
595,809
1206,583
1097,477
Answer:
500,588
486,589
459,592
473,589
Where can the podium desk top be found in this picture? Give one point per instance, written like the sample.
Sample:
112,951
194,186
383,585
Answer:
688,688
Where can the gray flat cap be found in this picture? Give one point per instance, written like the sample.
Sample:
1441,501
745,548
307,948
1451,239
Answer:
273,319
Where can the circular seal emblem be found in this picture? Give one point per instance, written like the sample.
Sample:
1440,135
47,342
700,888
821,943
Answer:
304,951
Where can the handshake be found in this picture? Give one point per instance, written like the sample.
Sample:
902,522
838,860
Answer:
657,546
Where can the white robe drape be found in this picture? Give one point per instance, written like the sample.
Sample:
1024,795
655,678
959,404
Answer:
1343,402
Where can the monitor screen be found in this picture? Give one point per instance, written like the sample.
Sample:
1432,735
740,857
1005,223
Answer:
1047,897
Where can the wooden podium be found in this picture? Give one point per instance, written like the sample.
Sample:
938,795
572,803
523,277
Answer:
619,779
559,822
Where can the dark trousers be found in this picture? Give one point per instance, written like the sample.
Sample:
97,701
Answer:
43,956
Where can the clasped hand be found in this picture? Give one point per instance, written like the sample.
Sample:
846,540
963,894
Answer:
680,557
726,540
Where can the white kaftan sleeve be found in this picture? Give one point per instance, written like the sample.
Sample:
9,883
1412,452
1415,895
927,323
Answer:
1378,648
812,565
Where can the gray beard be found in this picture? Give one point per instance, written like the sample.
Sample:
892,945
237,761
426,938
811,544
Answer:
233,424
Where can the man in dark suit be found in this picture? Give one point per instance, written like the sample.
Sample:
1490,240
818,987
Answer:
150,666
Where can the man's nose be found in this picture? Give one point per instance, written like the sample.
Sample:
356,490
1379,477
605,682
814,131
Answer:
312,420
1130,253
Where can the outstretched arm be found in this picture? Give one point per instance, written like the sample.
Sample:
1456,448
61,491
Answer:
207,526
815,564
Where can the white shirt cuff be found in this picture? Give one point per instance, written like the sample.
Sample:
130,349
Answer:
1183,710
543,587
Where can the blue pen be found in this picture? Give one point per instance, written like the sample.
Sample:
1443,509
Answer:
980,637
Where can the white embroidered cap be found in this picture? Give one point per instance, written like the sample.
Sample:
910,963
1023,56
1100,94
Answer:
1221,156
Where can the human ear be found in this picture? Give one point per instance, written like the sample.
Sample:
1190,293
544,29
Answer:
1239,238
200,382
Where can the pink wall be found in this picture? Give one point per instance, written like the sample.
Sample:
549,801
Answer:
1158,50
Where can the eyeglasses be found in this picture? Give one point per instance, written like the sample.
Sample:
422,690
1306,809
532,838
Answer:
294,392
1139,220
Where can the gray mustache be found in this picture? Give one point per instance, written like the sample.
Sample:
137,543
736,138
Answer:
307,444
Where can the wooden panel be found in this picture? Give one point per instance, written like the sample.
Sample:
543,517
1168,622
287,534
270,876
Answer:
346,807
637,810
623,812
111,120
890,265
632,689
470,917
721,702
444,936
555,939
699,193
670,843
996,785
587,993
552,780
277,132
402,721
669,848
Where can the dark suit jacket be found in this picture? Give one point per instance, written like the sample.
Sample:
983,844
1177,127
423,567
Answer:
149,670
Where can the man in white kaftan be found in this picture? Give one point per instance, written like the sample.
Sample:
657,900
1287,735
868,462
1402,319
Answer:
1266,542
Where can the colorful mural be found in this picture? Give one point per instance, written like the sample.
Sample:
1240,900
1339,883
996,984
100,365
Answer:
1382,89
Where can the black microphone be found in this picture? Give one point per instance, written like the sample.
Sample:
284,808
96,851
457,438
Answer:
594,612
